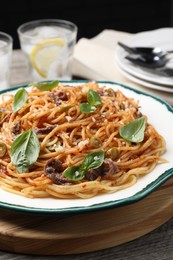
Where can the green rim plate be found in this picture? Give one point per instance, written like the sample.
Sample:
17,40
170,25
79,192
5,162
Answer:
167,173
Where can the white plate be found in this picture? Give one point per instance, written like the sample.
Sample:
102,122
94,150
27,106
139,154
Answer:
145,185
148,84
162,38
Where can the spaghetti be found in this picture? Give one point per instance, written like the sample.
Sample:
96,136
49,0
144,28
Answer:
67,136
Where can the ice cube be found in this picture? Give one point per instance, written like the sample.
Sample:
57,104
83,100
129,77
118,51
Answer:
46,32
2,44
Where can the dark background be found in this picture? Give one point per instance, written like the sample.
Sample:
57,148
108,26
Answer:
91,17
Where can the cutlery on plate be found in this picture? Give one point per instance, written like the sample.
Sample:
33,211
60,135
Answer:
144,50
148,61
156,64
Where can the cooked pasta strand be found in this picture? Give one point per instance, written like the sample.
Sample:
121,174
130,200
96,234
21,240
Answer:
68,135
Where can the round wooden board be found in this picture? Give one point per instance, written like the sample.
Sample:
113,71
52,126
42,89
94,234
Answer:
57,234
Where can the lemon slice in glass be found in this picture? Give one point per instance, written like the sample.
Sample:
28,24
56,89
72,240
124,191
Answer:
44,53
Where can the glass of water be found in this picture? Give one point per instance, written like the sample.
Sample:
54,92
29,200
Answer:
48,45
6,45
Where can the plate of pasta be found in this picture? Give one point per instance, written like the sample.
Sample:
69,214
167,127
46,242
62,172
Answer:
78,146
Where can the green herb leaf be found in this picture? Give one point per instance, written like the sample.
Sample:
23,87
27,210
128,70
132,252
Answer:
20,99
134,131
74,173
93,98
85,108
46,86
93,160
25,150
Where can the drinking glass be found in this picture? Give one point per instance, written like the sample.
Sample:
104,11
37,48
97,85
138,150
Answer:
48,45
6,45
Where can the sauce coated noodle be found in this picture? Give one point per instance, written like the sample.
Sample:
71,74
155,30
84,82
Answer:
66,135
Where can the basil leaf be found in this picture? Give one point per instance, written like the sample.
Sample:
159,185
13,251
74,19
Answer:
25,150
74,173
85,108
20,99
93,98
93,160
134,131
47,86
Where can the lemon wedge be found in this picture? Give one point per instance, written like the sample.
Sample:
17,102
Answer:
44,53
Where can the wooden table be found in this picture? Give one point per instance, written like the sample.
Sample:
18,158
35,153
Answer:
157,244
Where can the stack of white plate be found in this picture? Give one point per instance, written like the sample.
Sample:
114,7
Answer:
162,38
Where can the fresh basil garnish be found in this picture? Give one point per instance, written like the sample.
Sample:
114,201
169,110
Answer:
74,173
85,108
91,161
93,99
20,99
134,131
46,86
25,150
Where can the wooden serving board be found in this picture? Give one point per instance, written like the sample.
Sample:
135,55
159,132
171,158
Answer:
57,234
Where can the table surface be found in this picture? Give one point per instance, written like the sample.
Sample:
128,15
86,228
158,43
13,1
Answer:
157,244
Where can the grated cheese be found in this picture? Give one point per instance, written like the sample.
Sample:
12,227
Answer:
68,118
82,143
